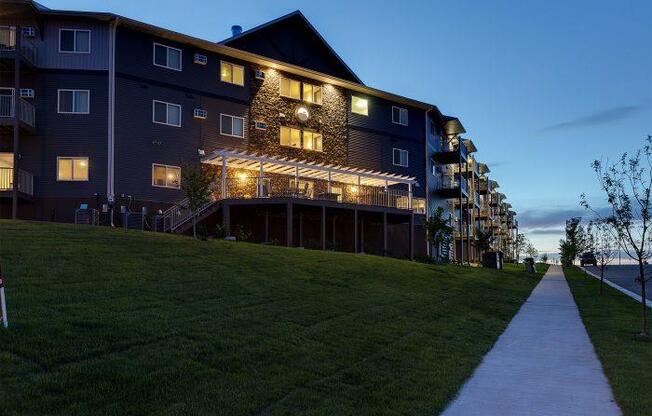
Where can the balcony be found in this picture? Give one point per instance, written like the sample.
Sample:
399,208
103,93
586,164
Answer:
25,183
26,110
483,186
452,187
8,46
451,153
254,176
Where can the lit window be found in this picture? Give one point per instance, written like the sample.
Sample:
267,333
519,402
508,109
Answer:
312,141
231,125
72,168
290,88
165,176
399,116
312,93
74,41
400,157
73,101
290,137
166,113
167,57
359,105
231,73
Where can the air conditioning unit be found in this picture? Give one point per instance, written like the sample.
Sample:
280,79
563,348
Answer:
200,59
29,32
200,114
260,125
27,93
260,74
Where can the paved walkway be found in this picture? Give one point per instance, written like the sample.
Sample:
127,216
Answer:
543,364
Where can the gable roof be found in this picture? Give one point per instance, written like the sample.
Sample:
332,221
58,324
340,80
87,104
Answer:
293,39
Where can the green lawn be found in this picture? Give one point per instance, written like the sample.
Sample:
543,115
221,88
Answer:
108,322
612,321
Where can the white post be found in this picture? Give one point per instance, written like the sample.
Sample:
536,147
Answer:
296,179
329,189
260,181
224,177
409,196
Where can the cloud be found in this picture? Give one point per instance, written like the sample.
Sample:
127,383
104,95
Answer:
546,231
544,219
607,116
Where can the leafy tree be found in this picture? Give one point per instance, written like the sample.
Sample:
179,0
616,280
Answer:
197,185
484,239
439,231
531,251
544,258
520,244
574,243
627,185
603,243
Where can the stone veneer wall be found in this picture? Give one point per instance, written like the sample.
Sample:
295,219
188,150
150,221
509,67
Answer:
329,119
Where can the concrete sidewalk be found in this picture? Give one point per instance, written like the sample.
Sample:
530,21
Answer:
543,364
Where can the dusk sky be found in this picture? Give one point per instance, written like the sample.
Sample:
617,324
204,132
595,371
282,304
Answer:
542,88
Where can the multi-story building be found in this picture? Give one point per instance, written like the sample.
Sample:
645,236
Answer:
100,109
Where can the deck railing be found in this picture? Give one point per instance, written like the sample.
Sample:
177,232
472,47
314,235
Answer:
6,105
453,182
25,181
26,110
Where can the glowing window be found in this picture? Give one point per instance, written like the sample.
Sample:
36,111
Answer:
72,169
231,73
290,88
290,137
165,176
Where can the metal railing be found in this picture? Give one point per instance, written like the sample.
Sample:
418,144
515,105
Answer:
26,110
25,181
453,182
8,43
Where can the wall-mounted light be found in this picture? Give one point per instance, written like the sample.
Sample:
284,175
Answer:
242,176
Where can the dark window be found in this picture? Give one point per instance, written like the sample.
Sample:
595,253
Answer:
160,55
68,40
65,101
160,112
75,41
227,124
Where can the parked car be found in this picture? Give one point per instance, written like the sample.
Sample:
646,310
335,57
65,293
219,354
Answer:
588,259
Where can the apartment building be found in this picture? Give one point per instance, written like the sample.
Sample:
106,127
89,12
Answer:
103,110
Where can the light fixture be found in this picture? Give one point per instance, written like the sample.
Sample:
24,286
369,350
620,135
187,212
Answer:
303,114
242,176
354,189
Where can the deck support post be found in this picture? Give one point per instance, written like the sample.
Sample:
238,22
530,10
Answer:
289,224
226,218
224,167
355,230
266,224
16,150
411,236
409,196
323,227
329,186
300,229
361,219
385,242
260,180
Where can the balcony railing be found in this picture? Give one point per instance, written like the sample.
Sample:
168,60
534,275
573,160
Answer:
452,183
25,181
246,187
8,43
26,110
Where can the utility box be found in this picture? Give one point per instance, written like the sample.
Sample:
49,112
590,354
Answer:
493,260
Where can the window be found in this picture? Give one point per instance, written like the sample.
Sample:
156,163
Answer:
290,137
231,73
399,116
73,101
312,141
72,168
167,57
165,176
400,157
74,41
359,105
166,113
308,140
298,90
231,125
290,88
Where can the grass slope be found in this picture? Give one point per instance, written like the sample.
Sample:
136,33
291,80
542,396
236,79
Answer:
108,322
612,320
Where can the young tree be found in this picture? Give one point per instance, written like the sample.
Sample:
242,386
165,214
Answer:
520,243
574,243
484,239
439,231
544,258
627,185
604,245
197,185
531,251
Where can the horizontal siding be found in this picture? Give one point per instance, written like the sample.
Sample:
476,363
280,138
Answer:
380,118
48,49
135,55
140,142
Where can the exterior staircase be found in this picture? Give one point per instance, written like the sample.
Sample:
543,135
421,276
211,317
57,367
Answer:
178,218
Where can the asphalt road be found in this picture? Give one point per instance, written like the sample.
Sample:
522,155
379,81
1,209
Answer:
625,277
